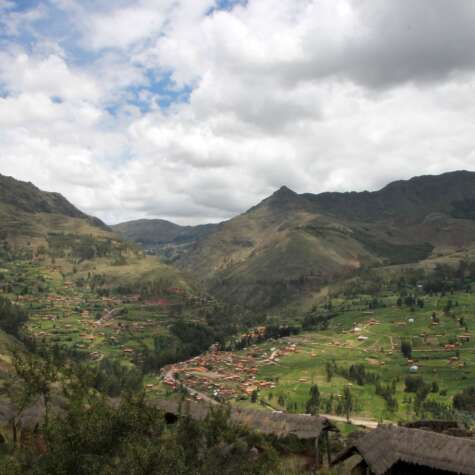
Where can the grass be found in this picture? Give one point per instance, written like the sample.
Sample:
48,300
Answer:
66,314
380,354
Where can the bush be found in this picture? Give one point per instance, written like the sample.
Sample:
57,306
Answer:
465,400
12,317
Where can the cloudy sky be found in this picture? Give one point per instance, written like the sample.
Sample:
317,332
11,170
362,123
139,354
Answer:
194,110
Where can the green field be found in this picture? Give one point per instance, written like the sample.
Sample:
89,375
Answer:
67,310
378,351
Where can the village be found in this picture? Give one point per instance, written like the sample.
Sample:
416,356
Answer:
226,375
77,318
279,373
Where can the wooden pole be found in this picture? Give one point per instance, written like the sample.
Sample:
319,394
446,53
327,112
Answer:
317,454
327,443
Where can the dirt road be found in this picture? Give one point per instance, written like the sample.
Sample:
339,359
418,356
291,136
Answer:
357,421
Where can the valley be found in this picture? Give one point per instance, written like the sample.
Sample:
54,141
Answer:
360,349
293,307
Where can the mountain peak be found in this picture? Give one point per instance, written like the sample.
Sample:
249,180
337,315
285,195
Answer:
284,199
284,191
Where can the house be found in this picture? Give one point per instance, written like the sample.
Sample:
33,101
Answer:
277,424
393,450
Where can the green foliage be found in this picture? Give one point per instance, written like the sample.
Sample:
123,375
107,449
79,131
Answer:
92,437
313,404
187,339
32,381
83,247
12,317
414,384
113,378
465,400
348,403
406,349
394,253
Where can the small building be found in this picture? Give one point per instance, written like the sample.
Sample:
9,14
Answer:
393,450
277,424
414,368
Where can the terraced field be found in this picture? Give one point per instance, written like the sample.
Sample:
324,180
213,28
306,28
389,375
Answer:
281,372
66,310
443,352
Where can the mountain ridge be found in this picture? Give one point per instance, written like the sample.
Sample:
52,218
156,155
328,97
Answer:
28,198
287,245
290,243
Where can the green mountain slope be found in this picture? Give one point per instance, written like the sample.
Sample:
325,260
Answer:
161,236
290,244
48,228
28,214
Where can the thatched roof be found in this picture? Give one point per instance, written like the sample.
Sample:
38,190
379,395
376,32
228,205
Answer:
271,423
385,446
444,427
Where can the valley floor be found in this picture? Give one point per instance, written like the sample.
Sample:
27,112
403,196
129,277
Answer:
279,374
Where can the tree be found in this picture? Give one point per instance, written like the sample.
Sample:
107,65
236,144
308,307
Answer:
32,381
347,402
329,370
313,404
12,317
465,400
406,349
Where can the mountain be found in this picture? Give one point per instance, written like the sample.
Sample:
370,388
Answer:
290,244
28,214
28,198
285,247
151,233
47,227
450,193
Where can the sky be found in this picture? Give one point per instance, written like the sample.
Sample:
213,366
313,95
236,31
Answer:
195,110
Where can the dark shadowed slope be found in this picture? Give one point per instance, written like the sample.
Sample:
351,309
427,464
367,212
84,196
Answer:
152,233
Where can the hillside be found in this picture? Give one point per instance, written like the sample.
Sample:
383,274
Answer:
28,215
378,337
164,237
48,228
290,244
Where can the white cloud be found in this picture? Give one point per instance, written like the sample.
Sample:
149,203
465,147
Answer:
24,73
125,26
318,95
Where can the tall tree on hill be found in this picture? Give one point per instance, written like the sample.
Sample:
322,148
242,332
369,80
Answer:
406,349
347,402
313,404
12,317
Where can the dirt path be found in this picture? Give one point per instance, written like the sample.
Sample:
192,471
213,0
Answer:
358,421
192,392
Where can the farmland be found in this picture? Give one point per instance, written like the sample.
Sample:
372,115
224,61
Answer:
358,346
281,372
69,310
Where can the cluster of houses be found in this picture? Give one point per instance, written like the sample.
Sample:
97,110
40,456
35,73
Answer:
68,318
225,375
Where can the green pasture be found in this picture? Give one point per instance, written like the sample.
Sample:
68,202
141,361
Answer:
379,353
